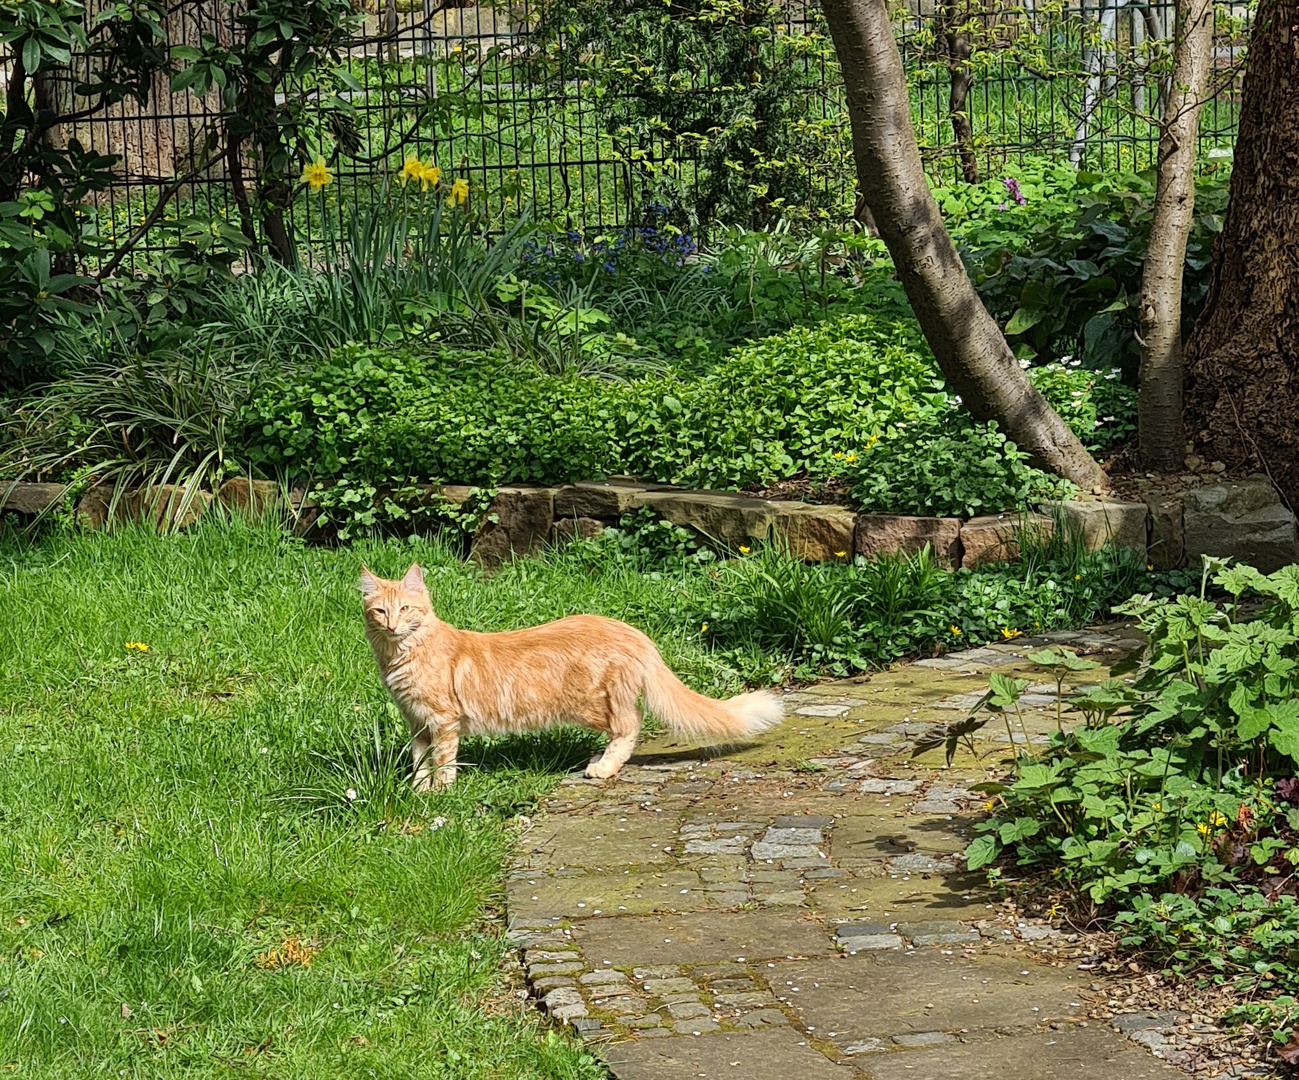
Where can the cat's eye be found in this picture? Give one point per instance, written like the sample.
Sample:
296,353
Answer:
379,612
404,608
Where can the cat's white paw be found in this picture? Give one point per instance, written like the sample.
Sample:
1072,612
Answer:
598,770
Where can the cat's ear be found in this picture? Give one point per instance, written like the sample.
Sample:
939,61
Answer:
414,578
369,583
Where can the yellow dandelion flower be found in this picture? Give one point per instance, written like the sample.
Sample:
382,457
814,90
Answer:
429,176
841,554
1008,633
1077,577
956,631
744,550
704,629
316,175
1150,566
1055,871
837,455
850,458
990,804
137,646
459,191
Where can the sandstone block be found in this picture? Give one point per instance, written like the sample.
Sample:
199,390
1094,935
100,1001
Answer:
1102,521
582,527
1245,520
169,506
607,499
996,538
815,533
523,517
25,498
730,520
880,534
95,506
252,498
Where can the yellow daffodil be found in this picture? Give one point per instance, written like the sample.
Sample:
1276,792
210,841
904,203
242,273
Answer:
317,174
411,170
137,646
1008,633
429,176
459,191
743,550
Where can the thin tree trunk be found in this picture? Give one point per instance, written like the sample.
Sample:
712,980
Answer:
1242,359
1159,402
970,349
958,64
1098,75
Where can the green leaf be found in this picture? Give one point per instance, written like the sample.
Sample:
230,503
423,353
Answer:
1023,319
1019,829
981,852
31,54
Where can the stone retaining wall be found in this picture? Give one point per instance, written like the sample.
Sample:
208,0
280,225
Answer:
1245,519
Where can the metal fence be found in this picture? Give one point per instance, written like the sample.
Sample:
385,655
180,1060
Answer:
455,84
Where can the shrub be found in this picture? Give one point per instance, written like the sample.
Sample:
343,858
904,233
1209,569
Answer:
1062,272
1169,806
851,396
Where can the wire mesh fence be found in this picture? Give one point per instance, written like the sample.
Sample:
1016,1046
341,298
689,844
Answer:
465,84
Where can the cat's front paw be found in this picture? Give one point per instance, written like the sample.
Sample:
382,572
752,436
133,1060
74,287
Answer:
599,770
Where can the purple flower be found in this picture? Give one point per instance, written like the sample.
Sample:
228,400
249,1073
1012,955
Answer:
1012,185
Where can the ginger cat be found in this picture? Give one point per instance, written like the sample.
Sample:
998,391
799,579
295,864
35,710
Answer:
584,669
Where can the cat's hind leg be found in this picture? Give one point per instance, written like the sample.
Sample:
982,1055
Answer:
624,730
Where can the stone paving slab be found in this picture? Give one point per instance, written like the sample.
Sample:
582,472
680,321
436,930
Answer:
703,938
762,1055
624,840
888,996
588,895
1088,1053
797,907
898,896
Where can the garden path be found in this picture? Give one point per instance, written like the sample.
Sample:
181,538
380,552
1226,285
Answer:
799,908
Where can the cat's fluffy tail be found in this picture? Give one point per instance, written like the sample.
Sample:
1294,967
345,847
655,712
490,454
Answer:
703,718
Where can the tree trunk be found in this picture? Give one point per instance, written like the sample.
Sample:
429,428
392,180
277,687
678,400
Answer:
958,65
1159,403
1242,359
970,349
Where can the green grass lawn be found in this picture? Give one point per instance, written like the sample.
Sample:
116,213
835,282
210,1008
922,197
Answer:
211,864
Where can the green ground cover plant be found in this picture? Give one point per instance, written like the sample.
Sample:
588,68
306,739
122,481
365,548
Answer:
855,397
1174,808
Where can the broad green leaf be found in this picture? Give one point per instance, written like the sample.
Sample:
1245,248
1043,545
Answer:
1023,319
981,852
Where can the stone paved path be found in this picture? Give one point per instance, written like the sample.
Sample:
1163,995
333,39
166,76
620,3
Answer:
798,908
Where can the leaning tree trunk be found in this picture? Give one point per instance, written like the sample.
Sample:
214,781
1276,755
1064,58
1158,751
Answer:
1242,359
1159,402
967,344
